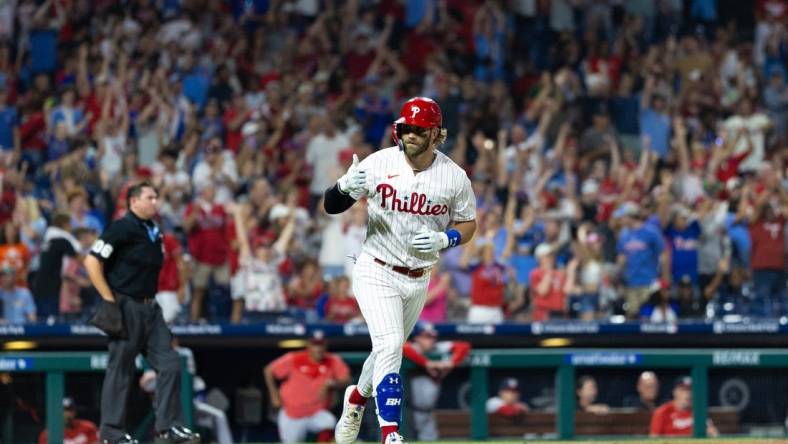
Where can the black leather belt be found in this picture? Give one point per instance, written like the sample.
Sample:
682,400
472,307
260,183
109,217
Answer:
143,300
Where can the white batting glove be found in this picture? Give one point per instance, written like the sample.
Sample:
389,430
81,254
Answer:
428,241
354,182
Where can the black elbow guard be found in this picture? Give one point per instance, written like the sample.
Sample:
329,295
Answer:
335,201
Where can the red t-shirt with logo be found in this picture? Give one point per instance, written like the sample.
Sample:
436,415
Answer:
768,244
554,300
80,432
207,239
667,420
487,285
304,379
168,276
341,310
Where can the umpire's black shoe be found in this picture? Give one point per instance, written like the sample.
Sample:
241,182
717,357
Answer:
178,435
125,439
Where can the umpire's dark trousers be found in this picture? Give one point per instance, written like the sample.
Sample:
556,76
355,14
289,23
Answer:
149,335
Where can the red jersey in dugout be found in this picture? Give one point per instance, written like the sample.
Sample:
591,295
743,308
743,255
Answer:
80,432
667,420
304,378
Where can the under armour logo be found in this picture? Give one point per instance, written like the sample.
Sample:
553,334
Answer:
393,401
393,380
414,110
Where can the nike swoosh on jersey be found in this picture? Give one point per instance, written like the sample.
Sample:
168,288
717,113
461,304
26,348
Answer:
391,176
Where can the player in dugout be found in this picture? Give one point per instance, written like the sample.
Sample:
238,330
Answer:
304,398
674,418
436,359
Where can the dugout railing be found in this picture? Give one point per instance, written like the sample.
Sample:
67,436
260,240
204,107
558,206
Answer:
566,361
55,365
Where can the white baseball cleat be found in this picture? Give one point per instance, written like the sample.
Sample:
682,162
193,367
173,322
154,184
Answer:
349,423
395,438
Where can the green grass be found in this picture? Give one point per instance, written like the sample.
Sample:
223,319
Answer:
738,440
627,441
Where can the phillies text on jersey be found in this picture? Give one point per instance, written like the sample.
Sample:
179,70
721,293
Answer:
402,201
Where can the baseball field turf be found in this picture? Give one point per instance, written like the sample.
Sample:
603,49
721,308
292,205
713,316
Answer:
628,441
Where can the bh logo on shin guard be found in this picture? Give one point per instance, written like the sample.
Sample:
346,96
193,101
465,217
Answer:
389,397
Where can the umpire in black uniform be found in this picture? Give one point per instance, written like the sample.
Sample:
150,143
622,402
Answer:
124,266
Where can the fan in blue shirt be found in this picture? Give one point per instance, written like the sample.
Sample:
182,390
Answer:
17,302
683,234
640,245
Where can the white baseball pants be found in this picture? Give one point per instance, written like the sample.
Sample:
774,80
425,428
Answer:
390,303
293,430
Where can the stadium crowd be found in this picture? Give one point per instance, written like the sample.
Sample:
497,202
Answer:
629,158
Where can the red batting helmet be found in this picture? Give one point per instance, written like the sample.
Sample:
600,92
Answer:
419,111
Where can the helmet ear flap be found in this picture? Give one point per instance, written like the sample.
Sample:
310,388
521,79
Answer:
396,133
442,135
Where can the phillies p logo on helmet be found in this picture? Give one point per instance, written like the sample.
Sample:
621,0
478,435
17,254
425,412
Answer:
419,111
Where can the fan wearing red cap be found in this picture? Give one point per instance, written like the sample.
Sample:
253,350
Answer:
420,202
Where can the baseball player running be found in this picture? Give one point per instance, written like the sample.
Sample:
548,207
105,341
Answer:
420,202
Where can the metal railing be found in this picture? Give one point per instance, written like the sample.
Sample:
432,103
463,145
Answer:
565,361
55,365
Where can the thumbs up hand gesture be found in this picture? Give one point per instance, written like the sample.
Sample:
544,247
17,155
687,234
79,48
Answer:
354,182
428,241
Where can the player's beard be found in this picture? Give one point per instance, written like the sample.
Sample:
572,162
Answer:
413,152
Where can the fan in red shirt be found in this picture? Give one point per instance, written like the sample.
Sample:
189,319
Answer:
75,431
767,232
549,286
306,286
488,282
171,278
310,377
674,418
234,117
206,224
341,307
435,361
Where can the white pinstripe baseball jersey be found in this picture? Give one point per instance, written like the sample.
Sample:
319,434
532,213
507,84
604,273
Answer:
402,202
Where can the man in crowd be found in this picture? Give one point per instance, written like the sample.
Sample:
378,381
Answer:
648,393
640,250
17,302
